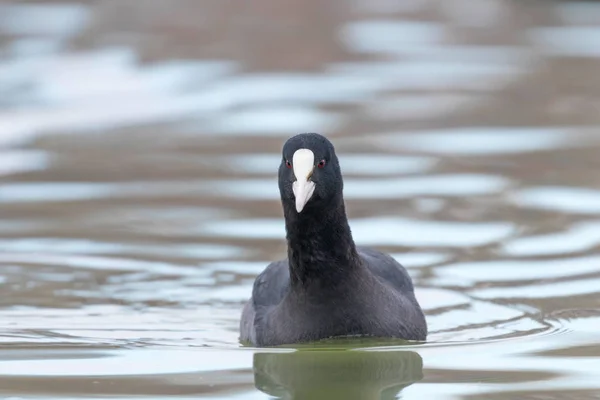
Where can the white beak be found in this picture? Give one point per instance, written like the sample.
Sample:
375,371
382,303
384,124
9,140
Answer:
303,163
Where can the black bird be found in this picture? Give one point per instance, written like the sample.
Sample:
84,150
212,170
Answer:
327,286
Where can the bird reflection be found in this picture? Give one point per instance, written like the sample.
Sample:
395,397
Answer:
336,374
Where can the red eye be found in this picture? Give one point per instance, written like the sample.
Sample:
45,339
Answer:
288,164
321,164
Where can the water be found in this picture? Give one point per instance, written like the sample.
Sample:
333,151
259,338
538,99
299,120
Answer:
138,200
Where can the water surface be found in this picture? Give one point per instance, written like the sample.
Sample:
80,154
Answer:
139,146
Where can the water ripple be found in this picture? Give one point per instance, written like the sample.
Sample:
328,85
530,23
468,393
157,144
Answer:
480,140
575,200
577,237
470,273
577,287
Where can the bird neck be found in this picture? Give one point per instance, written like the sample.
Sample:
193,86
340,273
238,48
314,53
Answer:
320,245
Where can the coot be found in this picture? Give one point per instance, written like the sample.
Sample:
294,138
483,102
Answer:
327,286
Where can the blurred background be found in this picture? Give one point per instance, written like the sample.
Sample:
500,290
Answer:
139,146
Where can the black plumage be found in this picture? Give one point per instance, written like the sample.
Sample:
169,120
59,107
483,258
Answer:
327,286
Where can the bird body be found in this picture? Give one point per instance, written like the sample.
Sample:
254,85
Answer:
326,287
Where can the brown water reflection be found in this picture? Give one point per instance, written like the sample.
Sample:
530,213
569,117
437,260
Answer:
138,148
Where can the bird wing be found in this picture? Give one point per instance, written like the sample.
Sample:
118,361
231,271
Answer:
386,268
268,291
271,285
